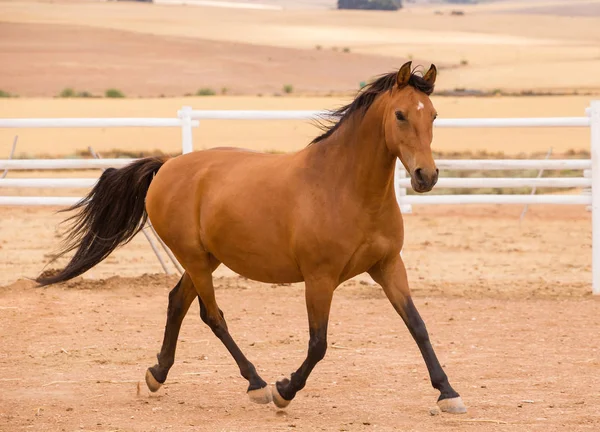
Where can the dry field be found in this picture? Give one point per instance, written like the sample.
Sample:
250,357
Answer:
154,49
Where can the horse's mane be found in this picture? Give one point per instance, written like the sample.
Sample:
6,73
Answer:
365,98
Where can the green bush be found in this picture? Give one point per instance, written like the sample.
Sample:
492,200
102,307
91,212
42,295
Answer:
114,93
5,94
288,88
205,92
67,93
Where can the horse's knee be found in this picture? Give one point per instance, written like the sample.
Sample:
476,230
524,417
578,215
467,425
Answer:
216,322
415,324
420,333
317,347
203,313
176,306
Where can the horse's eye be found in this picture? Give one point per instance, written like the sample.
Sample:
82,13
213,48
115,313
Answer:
400,116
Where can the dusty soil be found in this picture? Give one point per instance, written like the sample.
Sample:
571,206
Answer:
151,49
508,306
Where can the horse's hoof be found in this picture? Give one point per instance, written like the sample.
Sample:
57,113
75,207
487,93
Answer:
452,405
261,395
278,400
151,382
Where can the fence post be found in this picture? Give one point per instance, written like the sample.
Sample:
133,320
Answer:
594,114
400,173
187,143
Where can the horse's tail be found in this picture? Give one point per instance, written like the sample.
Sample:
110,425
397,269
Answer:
108,217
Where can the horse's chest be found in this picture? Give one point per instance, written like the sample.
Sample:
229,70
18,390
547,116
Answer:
365,255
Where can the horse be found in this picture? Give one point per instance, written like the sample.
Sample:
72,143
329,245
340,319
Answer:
321,216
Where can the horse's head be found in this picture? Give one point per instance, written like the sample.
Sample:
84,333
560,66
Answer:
408,125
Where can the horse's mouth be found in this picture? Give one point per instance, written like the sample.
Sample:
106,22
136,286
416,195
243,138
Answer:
421,187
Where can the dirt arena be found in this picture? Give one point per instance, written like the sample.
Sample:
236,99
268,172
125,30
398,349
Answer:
507,304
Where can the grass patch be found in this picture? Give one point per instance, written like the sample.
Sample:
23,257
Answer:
5,94
71,93
67,93
205,91
114,93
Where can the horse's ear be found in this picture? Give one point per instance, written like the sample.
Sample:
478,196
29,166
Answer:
404,74
431,75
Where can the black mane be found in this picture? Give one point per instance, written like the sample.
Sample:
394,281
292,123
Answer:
365,99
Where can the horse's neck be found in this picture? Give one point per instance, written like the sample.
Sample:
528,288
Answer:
356,159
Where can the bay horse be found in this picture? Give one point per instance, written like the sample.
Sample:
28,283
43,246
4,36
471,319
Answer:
321,216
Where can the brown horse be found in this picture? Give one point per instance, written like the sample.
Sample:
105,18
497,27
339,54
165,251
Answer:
322,215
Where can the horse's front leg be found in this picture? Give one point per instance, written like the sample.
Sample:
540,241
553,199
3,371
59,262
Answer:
318,293
391,275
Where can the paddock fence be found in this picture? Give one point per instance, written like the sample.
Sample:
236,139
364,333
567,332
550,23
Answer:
187,119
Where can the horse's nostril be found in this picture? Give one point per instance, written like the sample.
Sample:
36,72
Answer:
419,175
437,171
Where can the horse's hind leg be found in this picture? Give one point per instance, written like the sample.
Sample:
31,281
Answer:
180,299
213,317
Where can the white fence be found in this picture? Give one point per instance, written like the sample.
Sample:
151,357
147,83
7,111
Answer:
187,119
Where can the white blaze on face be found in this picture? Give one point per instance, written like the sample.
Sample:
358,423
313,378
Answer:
420,106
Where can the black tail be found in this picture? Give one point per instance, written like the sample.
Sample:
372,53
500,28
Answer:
109,216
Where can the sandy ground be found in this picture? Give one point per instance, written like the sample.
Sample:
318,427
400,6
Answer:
508,306
122,43
278,135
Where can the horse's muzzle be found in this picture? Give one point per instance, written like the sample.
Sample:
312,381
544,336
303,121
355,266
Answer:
423,180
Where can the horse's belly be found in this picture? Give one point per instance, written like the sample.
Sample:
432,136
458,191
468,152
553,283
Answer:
259,265
255,252
261,271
